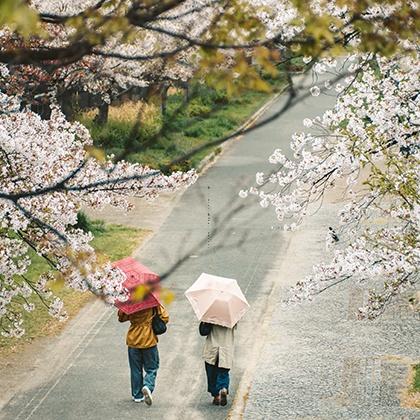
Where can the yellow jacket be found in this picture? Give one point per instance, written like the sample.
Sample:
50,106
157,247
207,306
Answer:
140,334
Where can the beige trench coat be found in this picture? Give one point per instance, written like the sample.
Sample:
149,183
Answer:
219,346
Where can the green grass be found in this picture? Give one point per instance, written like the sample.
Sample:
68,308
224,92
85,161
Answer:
118,241
416,379
210,115
111,242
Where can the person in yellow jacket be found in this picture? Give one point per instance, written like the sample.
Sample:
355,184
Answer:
142,351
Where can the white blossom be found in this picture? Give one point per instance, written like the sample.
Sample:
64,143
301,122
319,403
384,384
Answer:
307,122
315,91
243,193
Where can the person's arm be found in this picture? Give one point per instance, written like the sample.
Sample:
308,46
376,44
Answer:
122,317
163,314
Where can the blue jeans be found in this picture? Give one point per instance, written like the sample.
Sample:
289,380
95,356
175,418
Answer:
139,360
217,379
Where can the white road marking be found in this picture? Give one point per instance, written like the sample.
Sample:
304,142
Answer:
70,365
240,400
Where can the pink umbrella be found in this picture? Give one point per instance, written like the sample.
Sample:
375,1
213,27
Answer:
217,300
136,275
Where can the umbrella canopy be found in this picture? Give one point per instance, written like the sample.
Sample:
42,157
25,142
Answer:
137,274
217,300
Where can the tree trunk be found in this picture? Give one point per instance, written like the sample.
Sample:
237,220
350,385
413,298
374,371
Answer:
103,111
43,110
164,98
67,105
187,92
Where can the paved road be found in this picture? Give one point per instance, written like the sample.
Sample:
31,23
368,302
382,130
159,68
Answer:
315,361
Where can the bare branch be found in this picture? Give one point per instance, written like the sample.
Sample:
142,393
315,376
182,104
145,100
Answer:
53,18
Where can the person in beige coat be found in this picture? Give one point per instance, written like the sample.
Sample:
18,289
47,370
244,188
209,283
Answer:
218,358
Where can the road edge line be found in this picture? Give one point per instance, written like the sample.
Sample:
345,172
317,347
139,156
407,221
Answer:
211,158
240,400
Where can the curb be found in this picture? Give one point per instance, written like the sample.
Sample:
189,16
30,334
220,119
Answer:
240,401
211,159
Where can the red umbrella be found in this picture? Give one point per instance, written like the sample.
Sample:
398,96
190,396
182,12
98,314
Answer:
137,274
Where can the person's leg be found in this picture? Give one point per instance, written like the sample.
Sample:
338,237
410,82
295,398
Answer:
222,384
211,372
150,366
223,379
136,372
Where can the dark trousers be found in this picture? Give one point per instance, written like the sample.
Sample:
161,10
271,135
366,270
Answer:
217,378
140,360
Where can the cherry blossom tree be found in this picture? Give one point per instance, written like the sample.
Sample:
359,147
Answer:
367,143
47,174
166,51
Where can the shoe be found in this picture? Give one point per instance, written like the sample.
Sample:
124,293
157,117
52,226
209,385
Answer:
147,395
216,400
223,396
138,400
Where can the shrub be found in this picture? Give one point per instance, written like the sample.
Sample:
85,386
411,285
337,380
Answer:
197,130
220,97
88,225
197,107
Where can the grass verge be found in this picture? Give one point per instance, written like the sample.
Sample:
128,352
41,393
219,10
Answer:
410,395
111,242
416,379
208,116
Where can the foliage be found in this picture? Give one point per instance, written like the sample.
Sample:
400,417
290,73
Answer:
19,17
114,135
385,27
94,45
210,114
416,380
87,225
104,47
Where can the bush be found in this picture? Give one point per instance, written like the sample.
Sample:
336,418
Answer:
210,114
196,131
181,166
221,98
197,107
88,225
115,133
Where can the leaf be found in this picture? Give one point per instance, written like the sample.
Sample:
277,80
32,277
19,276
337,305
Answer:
96,153
19,17
167,296
140,292
57,284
